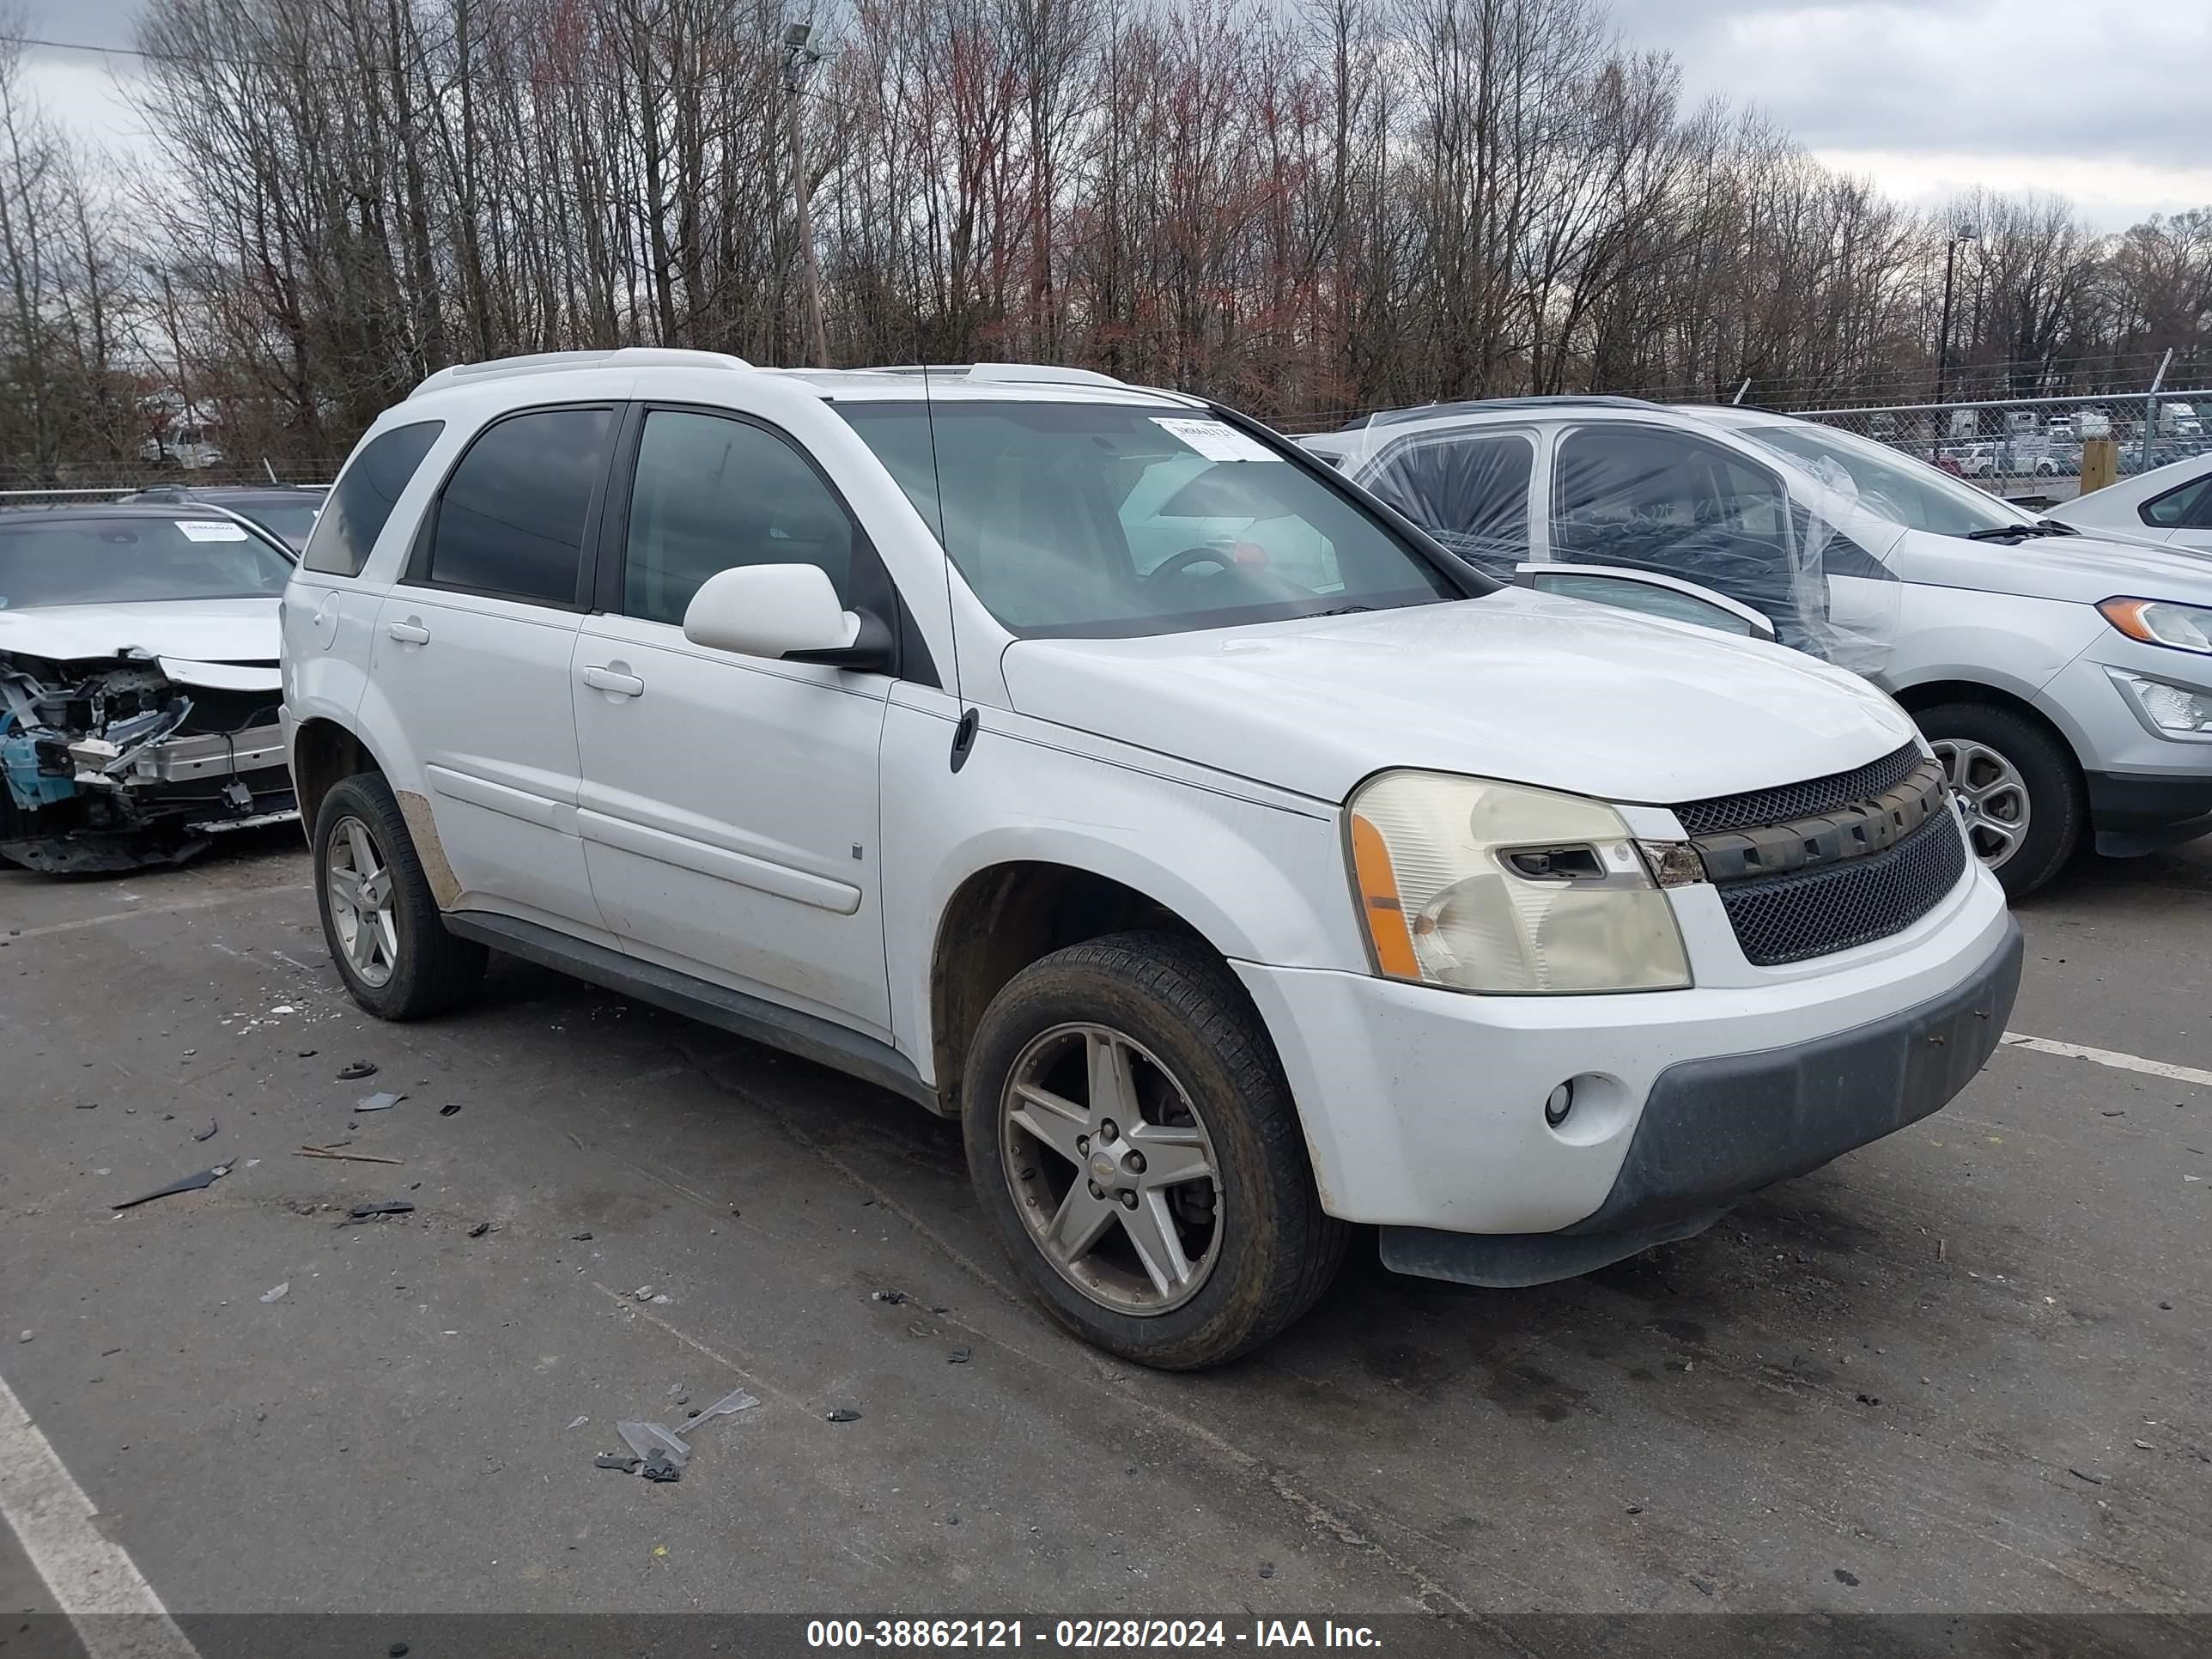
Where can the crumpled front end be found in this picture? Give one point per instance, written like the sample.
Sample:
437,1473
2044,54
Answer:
119,763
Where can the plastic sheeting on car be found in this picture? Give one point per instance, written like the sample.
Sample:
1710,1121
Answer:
1469,490
1636,495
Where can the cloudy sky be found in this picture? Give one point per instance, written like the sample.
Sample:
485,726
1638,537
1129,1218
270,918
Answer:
2103,102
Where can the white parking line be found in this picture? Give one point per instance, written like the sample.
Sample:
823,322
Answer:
116,1613
2109,1057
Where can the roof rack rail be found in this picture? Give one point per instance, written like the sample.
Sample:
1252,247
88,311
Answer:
1038,373
1471,405
552,362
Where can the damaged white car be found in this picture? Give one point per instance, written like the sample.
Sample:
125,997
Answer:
139,692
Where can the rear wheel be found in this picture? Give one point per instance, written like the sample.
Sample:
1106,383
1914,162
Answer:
378,917
1132,1138
2017,787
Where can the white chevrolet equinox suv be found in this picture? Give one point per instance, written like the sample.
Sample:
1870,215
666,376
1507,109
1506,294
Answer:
1084,761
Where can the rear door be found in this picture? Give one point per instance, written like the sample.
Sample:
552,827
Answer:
729,803
473,648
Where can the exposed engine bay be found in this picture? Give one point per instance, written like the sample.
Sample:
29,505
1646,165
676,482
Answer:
119,763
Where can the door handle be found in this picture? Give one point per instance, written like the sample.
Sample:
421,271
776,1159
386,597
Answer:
410,632
616,684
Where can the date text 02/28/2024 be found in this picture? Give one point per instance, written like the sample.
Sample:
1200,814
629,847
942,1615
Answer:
1084,1634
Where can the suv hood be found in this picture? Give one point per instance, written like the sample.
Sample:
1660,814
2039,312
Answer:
185,634
2081,569
1519,686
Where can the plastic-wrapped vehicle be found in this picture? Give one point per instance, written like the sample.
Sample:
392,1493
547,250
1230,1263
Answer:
2065,680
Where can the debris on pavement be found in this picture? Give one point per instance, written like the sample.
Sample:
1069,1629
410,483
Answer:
347,1158
309,1054
449,1108
2092,1476
25,1336
390,1206
958,1357
661,1467
480,1230
894,1297
728,1405
381,1101
610,1461
275,1293
580,1422
579,1237
191,1183
646,1438
841,1415
207,1133
358,1070
642,1293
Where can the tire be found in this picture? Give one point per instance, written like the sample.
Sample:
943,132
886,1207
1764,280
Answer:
403,965
1195,1048
2057,810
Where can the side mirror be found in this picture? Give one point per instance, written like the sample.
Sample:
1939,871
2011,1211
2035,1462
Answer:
785,612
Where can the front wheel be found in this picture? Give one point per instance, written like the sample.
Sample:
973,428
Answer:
2017,787
1132,1139
378,917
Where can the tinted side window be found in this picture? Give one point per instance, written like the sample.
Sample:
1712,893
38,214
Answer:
711,494
512,519
355,514
1471,494
2189,504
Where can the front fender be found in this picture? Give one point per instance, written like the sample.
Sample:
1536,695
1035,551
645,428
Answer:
1260,880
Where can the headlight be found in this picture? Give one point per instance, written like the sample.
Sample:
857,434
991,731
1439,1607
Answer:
2156,622
2168,707
1495,887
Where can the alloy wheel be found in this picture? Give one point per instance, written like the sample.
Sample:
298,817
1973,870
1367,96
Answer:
1992,797
357,879
1111,1169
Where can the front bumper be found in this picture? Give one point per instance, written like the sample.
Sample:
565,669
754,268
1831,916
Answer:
2148,787
1714,1131
1423,1109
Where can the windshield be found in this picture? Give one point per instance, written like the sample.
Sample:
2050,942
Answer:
1098,520
288,521
1891,484
128,561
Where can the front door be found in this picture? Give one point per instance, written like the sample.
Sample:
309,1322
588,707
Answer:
728,806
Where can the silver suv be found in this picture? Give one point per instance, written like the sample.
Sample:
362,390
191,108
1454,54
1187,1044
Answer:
2064,680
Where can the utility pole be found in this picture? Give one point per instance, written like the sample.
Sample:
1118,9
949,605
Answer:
1961,233
797,58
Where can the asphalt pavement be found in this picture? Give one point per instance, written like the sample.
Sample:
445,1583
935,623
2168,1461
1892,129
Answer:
1963,1371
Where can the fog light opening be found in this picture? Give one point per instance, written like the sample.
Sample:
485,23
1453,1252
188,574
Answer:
1559,1103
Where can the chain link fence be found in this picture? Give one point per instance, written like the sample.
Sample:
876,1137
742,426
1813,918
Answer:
75,486
2031,449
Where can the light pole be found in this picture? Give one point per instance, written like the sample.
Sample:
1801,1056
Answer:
1961,233
797,58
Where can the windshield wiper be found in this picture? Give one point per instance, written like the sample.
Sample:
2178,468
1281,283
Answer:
1341,610
2007,533
2052,527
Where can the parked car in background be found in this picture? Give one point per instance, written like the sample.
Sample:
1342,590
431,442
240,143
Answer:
286,511
189,448
1294,877
2065,680
2171,504
138,684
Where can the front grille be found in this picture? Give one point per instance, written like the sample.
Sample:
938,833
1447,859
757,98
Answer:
1798,801
1810,912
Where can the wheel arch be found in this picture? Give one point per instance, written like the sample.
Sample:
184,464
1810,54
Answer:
1915,700
1003,916
323,752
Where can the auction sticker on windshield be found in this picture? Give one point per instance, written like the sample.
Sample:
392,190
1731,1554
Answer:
215,530
1216,441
